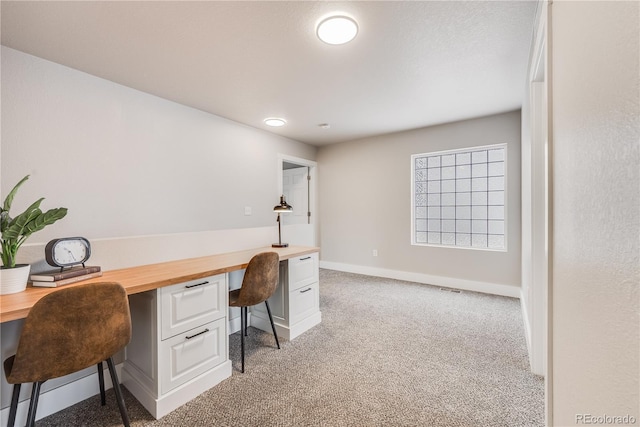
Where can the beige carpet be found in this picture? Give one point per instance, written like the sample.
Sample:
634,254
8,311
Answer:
388,353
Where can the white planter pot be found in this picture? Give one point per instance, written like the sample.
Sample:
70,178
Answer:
13,280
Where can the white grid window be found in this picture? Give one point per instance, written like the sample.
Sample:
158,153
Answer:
458,198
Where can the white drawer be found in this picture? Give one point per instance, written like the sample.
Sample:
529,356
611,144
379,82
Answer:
304,302
190,304
192,353
303,271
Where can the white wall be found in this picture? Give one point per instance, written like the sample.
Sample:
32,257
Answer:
595,68
126,163
145,179
535,197
365,190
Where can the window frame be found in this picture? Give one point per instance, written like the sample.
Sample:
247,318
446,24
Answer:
458,151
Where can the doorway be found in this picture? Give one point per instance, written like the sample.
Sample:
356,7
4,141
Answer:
297,180
295,188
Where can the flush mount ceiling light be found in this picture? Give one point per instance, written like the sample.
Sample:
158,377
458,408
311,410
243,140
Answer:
338,29
274,122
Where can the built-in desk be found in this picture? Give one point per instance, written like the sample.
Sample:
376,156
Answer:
152,276
179,347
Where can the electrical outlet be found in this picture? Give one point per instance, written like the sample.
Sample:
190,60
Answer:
375,252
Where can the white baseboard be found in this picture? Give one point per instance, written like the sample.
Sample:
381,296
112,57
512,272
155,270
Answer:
61,397
168,402
288,332
235,323
527,325
535,348
445,282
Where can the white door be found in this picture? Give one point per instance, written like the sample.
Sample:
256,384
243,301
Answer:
295,188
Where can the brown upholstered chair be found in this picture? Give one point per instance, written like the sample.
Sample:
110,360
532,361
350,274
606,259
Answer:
66,331
259,283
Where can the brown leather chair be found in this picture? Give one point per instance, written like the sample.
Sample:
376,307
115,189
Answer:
66,331
259,283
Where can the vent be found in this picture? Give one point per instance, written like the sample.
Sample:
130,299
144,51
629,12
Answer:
455,291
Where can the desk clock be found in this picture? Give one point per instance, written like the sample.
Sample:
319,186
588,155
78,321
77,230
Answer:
67,251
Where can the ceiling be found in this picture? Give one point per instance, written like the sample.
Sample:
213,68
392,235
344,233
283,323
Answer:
412,64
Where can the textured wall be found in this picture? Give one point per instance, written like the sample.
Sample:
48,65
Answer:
596,209
127,163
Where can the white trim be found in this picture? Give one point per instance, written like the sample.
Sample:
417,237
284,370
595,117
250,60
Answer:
62,397
525,320
302,162
539,260
158,407
536,298
461,150
313,190
511,291
287,332
236,323
297,160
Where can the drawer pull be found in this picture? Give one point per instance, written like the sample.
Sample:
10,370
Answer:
199,333
306,290
305,258
197,284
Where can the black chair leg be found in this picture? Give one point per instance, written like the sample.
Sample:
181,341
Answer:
246,320
14,405
118,390
273,327
103,399
33,405
242,329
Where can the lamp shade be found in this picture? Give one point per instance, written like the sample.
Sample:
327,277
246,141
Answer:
283,206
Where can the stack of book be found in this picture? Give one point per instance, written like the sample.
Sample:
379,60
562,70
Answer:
55,278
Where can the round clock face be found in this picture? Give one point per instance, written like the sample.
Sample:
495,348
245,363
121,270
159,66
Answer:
67,251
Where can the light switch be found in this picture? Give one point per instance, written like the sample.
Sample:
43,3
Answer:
247,210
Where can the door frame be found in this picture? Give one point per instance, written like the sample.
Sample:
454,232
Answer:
541,193
313,187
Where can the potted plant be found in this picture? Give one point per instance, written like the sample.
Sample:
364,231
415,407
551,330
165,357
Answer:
15,231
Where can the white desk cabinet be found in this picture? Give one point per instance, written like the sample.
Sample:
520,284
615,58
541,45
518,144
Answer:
295,306
179,345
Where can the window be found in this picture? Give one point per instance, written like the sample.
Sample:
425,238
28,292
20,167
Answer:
458,198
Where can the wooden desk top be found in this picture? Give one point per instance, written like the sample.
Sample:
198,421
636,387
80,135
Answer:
147,277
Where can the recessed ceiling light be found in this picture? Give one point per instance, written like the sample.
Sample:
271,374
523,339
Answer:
274,122
338,29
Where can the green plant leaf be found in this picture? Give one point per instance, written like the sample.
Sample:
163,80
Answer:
15,231
44,219
17,226
5,219
9,199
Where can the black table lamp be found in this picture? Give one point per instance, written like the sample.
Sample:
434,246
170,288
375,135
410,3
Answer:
282,207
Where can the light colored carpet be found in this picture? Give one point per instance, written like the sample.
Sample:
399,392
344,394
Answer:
388,353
